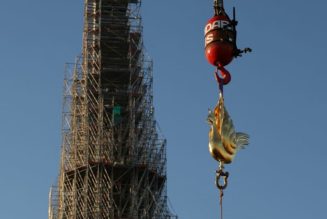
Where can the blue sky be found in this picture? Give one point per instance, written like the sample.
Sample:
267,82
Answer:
277,95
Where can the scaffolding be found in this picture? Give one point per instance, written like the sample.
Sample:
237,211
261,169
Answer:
113,159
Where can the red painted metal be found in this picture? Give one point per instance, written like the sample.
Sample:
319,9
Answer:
219,40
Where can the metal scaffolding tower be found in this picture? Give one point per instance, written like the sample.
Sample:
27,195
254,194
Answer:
113,160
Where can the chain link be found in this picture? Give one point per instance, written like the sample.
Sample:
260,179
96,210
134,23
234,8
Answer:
221,175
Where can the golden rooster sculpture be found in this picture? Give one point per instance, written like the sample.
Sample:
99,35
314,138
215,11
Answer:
224,141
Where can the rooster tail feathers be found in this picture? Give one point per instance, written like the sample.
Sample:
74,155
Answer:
242,139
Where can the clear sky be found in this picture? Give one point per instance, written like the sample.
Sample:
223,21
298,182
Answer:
277,95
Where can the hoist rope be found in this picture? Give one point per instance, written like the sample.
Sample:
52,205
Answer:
221,175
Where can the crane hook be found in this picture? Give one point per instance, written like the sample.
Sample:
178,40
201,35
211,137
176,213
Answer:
225,77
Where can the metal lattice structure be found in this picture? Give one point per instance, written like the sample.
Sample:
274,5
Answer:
113,160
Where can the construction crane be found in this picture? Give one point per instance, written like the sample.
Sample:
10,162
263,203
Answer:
220,40
220,50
